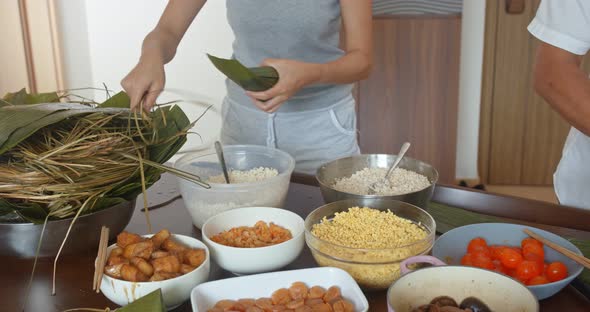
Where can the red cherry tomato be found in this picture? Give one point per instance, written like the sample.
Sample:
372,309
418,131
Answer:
498,267
530,240
495,250
482,260
537,259
466,260
477,244
517,249
538,280
556,271
533,248
526,270
510,258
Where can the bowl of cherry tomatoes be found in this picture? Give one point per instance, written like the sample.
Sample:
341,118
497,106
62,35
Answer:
506,249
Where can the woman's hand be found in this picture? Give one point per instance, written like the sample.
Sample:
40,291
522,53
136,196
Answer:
144,83
293,75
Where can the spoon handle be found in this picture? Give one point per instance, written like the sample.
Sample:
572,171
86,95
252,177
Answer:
219,151
399,158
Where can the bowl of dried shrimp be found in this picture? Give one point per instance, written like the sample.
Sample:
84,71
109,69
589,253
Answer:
254,239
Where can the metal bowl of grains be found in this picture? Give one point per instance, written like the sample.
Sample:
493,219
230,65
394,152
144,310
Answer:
349,178
369,238
259,177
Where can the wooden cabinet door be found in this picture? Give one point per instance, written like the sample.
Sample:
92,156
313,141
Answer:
521,137
412,93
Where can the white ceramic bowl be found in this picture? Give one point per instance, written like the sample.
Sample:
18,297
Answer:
497,291
205,296
260,259
174,291
204,203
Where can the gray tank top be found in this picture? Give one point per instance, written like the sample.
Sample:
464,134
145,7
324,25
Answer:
303,30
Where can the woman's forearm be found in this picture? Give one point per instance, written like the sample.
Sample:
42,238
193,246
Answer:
161,43
352,67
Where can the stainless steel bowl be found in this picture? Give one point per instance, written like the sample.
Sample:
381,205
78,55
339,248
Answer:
21,239
345,167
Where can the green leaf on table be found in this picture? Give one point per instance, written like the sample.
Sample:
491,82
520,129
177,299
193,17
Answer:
251,79
152,302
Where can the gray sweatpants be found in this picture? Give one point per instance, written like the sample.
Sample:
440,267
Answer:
312,137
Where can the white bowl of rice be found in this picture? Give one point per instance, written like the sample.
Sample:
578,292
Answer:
259,177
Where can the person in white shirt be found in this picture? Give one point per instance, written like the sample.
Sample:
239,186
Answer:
563,26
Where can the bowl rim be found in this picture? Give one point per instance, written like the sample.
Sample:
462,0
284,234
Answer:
326,185
529,291
252,249
430,237
194,156
571,276
194,271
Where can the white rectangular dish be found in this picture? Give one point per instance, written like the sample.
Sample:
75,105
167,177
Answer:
205,296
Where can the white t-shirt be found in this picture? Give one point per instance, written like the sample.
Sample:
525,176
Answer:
566,24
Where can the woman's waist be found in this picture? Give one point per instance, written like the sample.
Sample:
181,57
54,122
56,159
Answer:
306,99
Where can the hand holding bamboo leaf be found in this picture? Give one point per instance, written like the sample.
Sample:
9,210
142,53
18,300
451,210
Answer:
294,75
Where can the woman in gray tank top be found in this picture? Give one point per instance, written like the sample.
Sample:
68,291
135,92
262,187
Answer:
310,112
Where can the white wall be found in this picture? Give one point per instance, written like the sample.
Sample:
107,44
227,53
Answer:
470,73
112,45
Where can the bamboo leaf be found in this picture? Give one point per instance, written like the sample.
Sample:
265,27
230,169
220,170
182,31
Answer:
119,100
16,98
251,79
152,302
18,213
22,97
19,122
106,202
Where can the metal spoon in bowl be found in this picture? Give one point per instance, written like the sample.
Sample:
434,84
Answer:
385,181
219,151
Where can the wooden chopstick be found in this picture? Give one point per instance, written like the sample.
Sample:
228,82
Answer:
566,252
97,261
101,258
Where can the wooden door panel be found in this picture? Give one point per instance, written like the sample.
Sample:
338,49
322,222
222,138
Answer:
512,85
412,92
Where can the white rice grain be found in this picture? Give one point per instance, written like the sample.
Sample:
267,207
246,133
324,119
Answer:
401,181
246,176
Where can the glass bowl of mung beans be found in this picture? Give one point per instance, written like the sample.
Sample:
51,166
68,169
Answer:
369,238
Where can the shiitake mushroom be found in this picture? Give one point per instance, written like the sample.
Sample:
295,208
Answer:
474,304
427,308
448,304
444,301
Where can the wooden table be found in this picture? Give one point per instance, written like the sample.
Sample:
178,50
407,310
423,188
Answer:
74,276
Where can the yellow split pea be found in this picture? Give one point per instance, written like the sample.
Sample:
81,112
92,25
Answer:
386,238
